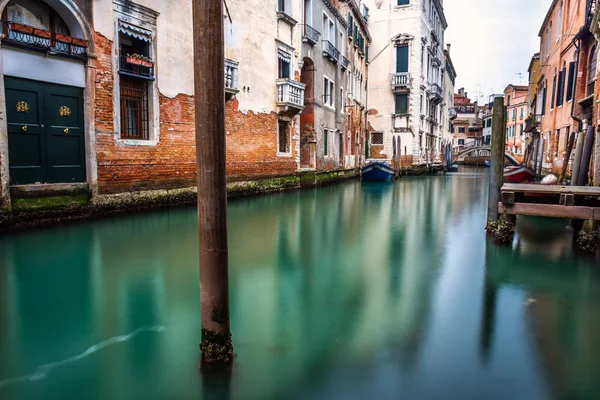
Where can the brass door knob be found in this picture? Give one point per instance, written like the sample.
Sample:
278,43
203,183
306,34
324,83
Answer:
24,128
66,130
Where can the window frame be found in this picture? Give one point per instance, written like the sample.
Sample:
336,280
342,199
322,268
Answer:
288,136
146,23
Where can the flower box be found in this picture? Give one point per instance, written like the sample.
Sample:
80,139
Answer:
139,61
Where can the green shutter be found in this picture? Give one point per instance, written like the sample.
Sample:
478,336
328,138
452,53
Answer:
402,59
401,104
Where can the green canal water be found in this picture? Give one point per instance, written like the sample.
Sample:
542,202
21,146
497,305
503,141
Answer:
347,292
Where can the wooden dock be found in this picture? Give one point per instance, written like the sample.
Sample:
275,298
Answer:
572,202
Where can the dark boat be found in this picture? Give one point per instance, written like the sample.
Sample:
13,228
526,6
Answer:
453,168
377,172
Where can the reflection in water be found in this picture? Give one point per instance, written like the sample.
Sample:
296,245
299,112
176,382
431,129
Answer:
350,291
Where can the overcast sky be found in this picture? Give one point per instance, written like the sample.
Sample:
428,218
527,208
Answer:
492,41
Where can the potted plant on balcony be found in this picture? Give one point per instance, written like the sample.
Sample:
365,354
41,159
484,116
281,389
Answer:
138,59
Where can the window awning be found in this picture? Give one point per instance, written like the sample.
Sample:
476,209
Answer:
135,32
284,55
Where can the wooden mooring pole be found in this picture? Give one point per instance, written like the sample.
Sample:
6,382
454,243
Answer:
497,157
216,345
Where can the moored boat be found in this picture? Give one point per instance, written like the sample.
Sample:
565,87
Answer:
518,174
377,171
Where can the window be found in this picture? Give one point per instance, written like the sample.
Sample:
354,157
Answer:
461,130
284,137
521,130
328,29
461,142
401,104
514,114
508,100
328,92
544,98
403,2
560,20
402,59
553,91
284,6
522,113
134,81
570,81
377,138
284,61
561,86
325,141
591,71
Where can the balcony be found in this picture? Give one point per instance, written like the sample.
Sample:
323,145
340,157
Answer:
231,78
452,113
136,65
311,35
50,42
435,93
400,80
345,63
290,96
330,51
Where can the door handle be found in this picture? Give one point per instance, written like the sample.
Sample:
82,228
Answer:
24,128
66,130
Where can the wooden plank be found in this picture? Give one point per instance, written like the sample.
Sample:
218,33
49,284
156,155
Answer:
551,211
546,189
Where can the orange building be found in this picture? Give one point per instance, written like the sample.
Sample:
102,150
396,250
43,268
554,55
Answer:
559,83
515,100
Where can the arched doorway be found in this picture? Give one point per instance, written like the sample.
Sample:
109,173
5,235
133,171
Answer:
46,81
308,137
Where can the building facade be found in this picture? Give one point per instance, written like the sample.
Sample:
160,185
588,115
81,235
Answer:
448,110
563,77
100,94
406,96
468,128
515,100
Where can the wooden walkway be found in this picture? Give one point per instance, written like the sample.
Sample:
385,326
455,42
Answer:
572,202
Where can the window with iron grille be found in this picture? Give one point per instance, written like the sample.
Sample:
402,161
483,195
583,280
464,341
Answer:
284,137
376,138
134,108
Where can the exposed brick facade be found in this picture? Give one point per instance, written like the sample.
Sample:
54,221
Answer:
251,141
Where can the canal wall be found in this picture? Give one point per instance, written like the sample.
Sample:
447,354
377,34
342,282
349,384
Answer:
32,209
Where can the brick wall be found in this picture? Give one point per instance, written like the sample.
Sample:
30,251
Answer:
251,141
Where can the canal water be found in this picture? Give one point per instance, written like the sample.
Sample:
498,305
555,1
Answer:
347,292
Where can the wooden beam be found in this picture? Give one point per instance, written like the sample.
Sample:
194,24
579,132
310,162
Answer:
551,211
547,189
567,199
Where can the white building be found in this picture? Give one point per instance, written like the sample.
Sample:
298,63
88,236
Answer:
449,112
406,95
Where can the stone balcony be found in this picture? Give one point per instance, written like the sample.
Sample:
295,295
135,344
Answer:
400,80
435,93
311,35
290,96
231,78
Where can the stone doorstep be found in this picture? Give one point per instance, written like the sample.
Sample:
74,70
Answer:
48,190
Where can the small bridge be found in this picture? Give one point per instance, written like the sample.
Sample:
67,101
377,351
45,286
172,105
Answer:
475,154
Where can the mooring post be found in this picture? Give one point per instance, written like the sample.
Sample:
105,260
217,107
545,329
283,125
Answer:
563,171
578,153
541,166
536,151
216,345
497,157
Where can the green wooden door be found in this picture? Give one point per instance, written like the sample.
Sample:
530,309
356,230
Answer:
46,140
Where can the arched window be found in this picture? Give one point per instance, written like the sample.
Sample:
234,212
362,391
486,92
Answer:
592,61
35,25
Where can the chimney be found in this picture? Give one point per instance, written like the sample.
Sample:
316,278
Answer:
448,47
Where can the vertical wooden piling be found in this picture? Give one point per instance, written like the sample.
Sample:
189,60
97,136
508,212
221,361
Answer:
563,171
497,157
578,153
541,165
216,346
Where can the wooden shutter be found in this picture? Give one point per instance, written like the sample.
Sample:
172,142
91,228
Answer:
402,59
570,81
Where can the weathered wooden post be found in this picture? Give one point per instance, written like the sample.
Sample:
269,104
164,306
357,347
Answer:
216,345
578,153
563,171
497,158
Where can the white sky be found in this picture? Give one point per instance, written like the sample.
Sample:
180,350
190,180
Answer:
492,41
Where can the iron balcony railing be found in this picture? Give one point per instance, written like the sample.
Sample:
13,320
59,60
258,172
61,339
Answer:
290,93
311,35
400,80
139,68
453,113
40,39
231,76
435,90
345,63
330,51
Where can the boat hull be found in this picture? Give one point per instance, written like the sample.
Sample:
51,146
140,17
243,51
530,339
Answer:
518,174
377,172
